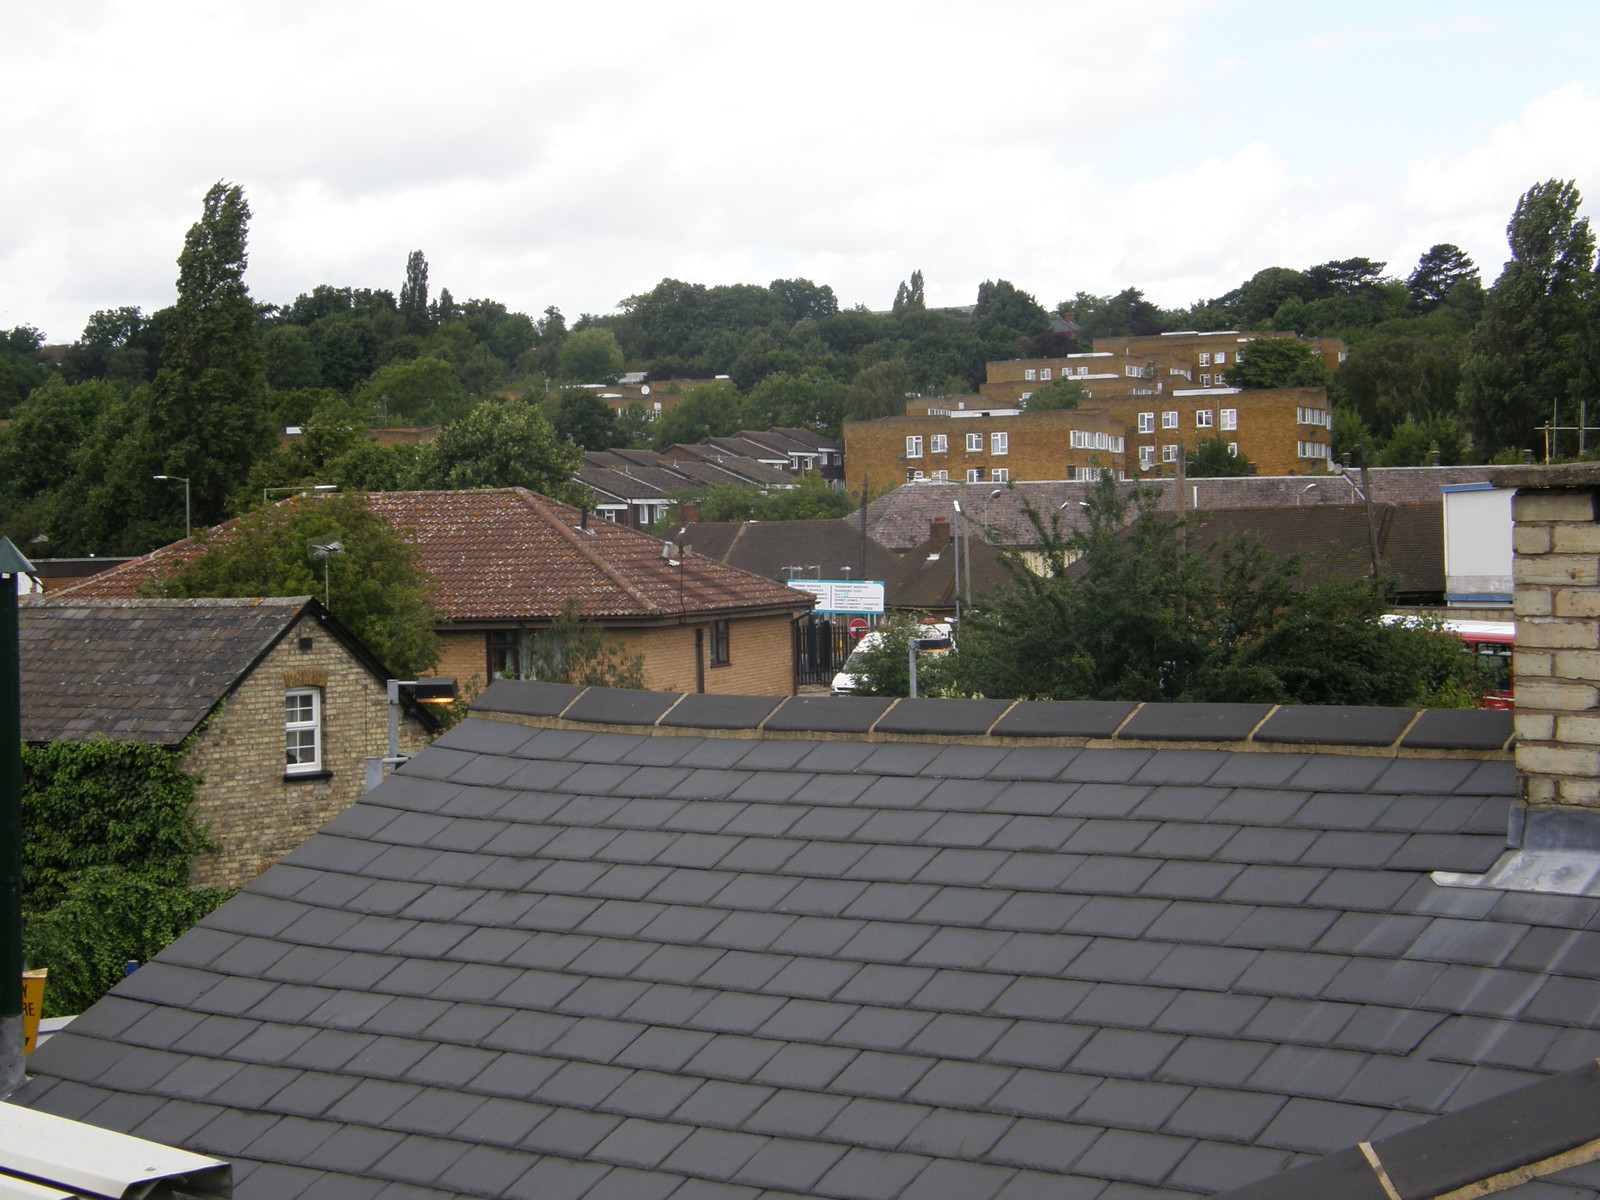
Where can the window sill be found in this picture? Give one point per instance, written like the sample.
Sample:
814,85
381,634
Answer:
301,776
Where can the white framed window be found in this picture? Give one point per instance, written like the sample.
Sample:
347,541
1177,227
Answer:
1044,374
915,475
1230,418
1083,370
1202,418
938,443
974,443
1233,449
1169,452
1147,422
302,730
974,474
1315,450
941,476
1222,358
1205,359
1147,457
914,445
1169,420
999,443
1030,374
999,475
1205,381
1314,416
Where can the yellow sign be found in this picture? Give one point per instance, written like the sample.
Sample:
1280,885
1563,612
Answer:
32,1006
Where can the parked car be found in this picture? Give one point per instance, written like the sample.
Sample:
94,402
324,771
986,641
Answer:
844,683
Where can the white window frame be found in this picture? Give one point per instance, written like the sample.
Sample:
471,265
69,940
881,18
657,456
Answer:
1169,452
1202,418
999,475
1030,374
1230,419
1205,381
296,725
913,445
1222,358
1147,422
1044,374
974,474
974,443
938,443
999,443
1147,457
1233,449
941,476
1205,359
1169,420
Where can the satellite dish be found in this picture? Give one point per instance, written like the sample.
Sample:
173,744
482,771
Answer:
645,390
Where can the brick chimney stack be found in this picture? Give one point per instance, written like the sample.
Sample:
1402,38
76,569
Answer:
938,536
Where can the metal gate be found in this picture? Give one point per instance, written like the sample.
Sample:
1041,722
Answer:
820,647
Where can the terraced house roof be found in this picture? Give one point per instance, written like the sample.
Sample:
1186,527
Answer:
600,943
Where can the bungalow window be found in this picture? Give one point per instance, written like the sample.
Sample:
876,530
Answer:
719,644
505,654
302,731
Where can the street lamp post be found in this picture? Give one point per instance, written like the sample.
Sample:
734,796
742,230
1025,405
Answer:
185,482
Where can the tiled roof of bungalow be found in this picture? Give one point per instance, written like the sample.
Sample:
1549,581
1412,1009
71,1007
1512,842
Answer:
599,943
508,553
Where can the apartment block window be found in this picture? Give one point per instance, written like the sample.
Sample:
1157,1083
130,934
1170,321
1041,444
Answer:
1205,360
1030,374
1202,418
941,476
913,446
1230,418
1169,453
974,443
938,443
1000,475
719,644
999,443
1169,420
1044,373
974,474
1147,422
1315,450
1222,358
302,730
1083,370
1205,381
1233,449
1147,457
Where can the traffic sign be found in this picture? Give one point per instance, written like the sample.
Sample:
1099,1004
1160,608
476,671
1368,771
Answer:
858,627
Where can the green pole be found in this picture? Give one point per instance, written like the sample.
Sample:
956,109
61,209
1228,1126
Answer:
12,566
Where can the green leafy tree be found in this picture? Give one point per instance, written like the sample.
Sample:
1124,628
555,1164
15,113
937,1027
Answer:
1057,395
878,391
884,667
414,295
586,420
809,499
803,300
1141,617
1006,311
709,410
290,358
503,443
425,390
908,297
1522,359
1392,378
591,356
1212,459
375,587
1414,443
207,417
808,398
1277,363
1438,273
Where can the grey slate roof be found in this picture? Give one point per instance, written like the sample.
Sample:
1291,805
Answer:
625,956
140,670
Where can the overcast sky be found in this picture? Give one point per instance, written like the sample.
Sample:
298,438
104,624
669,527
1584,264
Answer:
576,154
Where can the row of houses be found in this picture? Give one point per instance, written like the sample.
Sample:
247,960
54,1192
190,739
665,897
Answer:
596,944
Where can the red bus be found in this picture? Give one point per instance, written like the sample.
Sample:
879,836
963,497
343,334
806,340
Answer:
1491,644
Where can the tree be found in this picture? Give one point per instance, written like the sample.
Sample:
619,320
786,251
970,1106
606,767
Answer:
376,588
1141,617
414,295
207,419
503,443
425,390
1004,310
586,420
803,300
591,356
1522,361
878,391
1212,459
908,297
709,410
1392,378
1277,363
1056,395
1438,273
